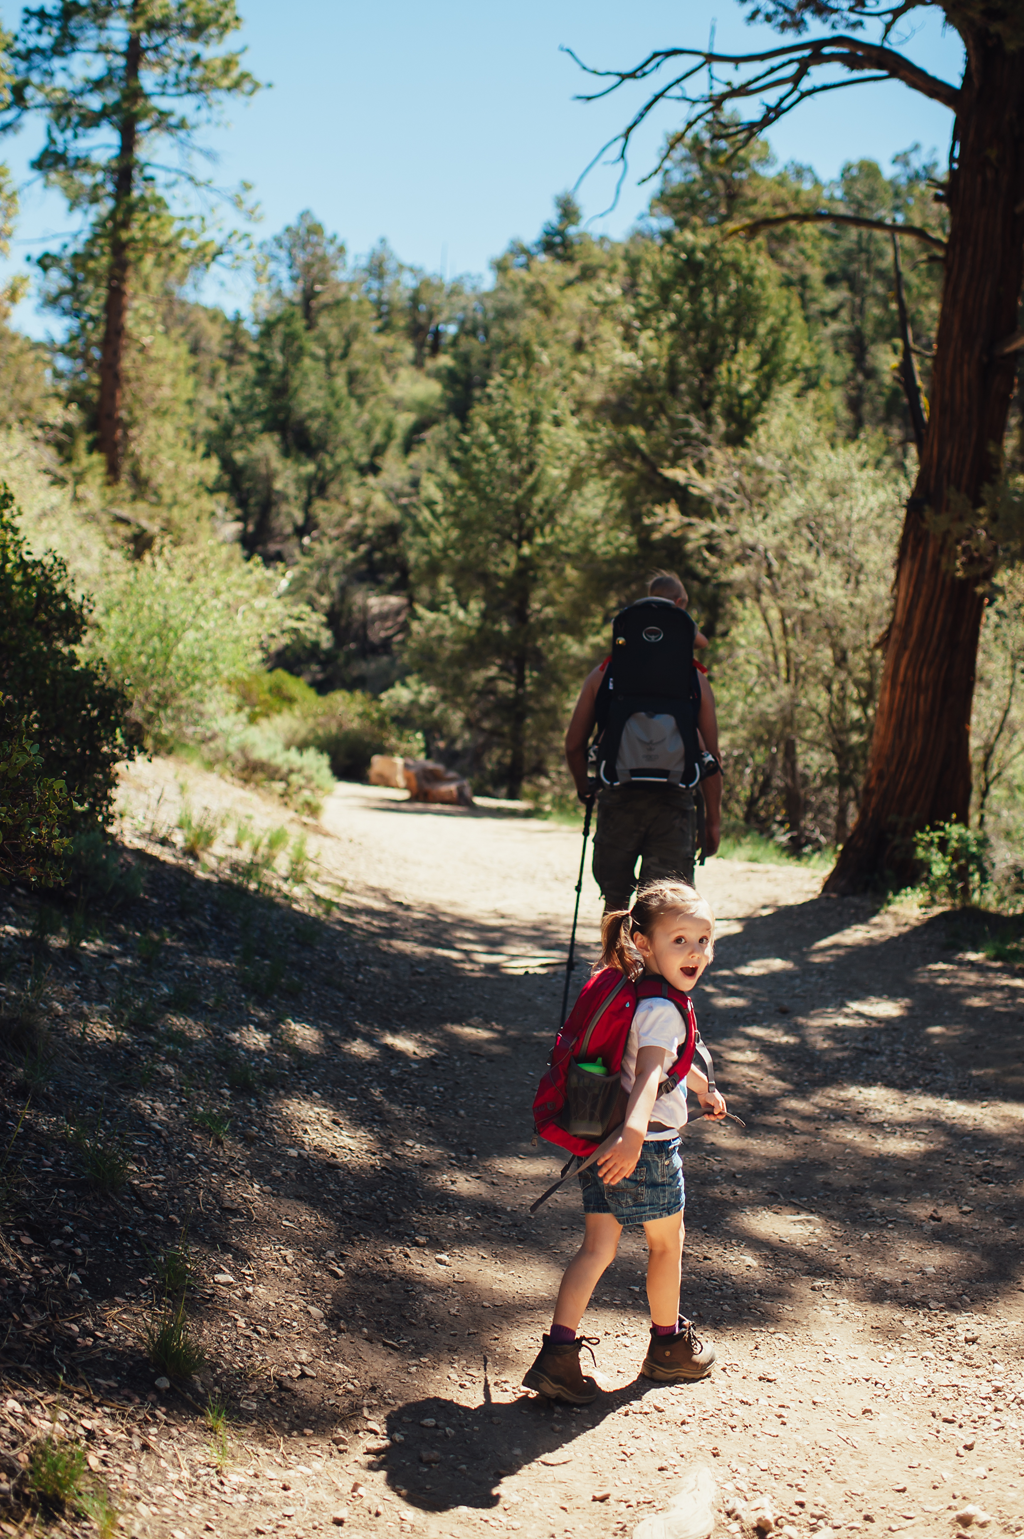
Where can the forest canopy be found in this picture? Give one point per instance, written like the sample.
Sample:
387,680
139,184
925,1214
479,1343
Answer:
416,503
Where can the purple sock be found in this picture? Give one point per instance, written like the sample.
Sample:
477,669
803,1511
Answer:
561,1335
666,1330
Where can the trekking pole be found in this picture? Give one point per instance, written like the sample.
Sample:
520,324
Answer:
576,912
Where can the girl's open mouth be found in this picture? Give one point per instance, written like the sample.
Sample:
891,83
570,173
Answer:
689,972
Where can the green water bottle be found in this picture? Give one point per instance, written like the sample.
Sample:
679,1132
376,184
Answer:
597,1067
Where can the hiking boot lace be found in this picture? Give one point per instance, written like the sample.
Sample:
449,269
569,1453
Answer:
590,1342
693,1341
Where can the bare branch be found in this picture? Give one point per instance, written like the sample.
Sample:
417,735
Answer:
785,79
755,226
847,52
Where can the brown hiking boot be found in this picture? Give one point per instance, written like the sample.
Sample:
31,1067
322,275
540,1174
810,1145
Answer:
557,1373
682,1356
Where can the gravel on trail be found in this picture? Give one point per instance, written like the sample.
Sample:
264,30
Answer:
313,1048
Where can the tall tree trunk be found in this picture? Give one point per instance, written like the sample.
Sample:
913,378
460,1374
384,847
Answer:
111,426
919,770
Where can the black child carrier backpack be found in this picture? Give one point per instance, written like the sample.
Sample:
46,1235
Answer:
649,700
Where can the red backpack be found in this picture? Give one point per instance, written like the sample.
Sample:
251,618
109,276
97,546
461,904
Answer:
577,1109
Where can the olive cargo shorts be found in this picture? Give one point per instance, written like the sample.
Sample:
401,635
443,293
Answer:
657,824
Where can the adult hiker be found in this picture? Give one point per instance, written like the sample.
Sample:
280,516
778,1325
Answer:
648,778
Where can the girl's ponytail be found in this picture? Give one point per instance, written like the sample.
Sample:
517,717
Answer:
617,948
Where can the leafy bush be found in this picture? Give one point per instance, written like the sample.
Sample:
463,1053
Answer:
300,776
956,863
34,808
77,719
348,728
269,694
177,626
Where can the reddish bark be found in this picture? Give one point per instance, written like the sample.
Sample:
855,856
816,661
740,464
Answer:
919,770
111,393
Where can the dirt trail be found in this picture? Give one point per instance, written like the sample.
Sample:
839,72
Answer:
853,1256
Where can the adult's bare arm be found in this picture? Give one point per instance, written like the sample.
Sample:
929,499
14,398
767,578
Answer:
707,717
581,725
707,726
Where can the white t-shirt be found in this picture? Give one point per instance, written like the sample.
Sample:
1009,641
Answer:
657,1023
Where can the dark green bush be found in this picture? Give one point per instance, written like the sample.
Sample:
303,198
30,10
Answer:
34,808
76,717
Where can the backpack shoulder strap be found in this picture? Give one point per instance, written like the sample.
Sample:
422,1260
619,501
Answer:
601,1011
657,988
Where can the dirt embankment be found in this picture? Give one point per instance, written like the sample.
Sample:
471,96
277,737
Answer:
330,1086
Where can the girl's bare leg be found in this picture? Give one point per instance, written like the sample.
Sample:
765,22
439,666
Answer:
600,1243
664,1267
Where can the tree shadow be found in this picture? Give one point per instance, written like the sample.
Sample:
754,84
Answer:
376,1070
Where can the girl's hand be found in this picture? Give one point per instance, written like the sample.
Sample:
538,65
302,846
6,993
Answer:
619,1159
714,1104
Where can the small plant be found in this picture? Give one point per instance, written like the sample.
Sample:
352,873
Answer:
306,932
80,927
298,861
104,1160
276,840
130,1012
241,1076
956,863
150,946
37,1067
48,922
185,995
262,978
175,1268
199,829
23,1030
5,1183
218,1421
217,1126
97,1504
55,1471
99,873
172,1347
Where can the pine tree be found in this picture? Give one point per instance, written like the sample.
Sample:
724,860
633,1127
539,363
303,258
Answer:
116,80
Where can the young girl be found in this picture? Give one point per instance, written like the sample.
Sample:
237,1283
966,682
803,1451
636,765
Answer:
638,1178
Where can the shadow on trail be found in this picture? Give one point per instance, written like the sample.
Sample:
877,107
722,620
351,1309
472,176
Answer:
457,1455
339,1102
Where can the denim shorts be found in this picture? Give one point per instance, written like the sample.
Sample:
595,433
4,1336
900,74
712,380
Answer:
654,1190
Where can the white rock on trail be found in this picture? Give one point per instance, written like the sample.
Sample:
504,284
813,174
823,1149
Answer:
691,1514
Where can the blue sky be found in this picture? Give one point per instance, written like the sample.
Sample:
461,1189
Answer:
448,129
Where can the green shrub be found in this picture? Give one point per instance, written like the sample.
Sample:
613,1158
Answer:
269,694
34,808
349,728
77,719
955,863
301,776
177,626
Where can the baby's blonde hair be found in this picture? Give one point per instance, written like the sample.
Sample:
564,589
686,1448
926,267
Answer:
652,902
